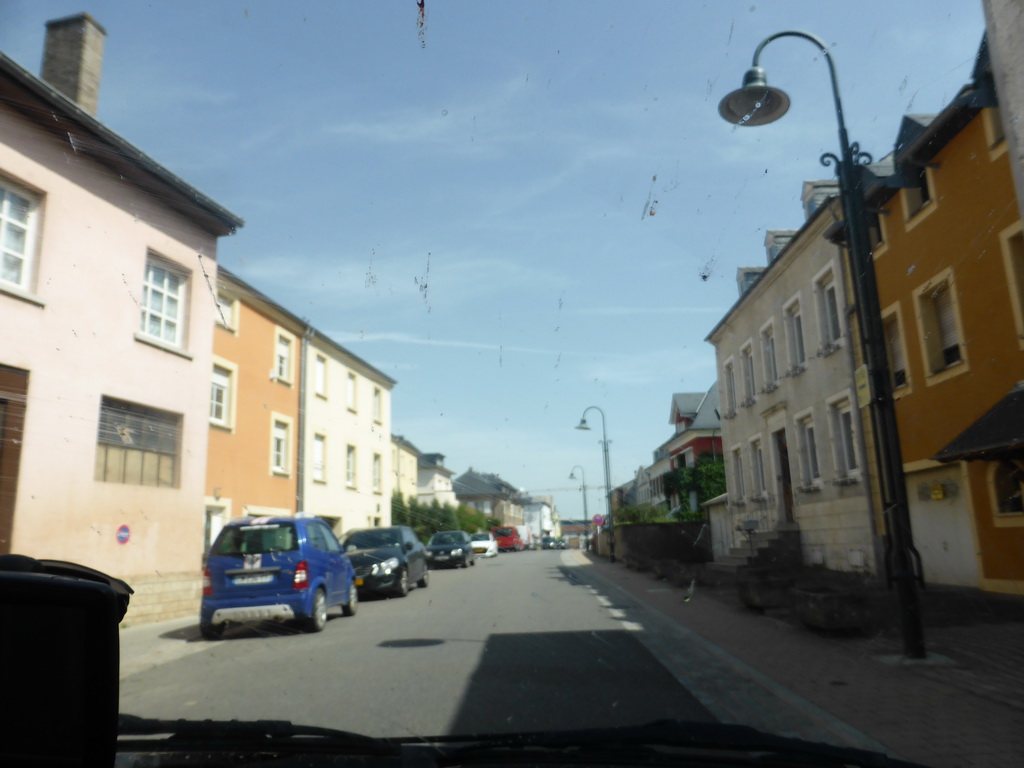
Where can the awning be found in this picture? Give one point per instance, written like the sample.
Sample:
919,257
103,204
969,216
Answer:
998,434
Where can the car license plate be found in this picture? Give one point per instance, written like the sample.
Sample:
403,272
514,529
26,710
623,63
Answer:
359,582
256,578
442,557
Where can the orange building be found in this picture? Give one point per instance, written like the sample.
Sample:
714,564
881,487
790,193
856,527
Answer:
950,269
252,465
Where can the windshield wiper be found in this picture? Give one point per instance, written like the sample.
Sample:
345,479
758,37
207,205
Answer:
248,734
661,741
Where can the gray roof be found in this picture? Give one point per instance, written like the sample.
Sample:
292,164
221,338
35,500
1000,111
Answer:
707,412
686,404
472,483
54,113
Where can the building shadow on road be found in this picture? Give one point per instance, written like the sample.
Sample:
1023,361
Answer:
567,680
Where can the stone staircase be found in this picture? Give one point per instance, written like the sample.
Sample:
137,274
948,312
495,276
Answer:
779,548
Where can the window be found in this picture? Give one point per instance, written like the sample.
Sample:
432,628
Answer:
376,473
350,392
1008,485
283,358
843,438
737,474
225,312
757,468
17,235
771,371
163,303
350,466
730,389
918,193
137,445
939,326
320,376
828,310
376,404
280,447
749,384
1013,258
809,471
319,453
795,337
894,352
876,237
220,396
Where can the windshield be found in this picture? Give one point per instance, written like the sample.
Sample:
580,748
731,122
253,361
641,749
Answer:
372,539
449,537
730,373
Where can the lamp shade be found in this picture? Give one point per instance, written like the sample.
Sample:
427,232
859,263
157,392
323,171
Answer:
755,103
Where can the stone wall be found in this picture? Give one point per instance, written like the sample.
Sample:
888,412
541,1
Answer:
168,596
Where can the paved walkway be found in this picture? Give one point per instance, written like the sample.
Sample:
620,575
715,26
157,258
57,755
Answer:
966,708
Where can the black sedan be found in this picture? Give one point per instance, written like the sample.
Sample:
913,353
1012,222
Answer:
387,560
450,549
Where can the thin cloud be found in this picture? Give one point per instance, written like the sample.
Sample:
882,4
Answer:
627,311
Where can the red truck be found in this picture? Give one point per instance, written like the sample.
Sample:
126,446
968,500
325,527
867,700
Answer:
508,539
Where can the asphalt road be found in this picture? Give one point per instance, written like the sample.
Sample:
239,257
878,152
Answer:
519,642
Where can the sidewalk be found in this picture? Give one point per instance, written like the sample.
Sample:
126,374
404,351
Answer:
964,708
149,645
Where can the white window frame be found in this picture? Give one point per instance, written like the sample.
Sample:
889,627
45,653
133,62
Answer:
729,378
157,274
769,361
807,444
843,423
737,472
797,350
929,328
229,399
283,369
281,429
320,375
319,468
827,291
378,398
749,375
350,466
26,257
377,472
351,392
757,474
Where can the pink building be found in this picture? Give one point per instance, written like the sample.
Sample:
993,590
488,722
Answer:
106,325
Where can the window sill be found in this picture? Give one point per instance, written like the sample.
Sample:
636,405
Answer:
941,375
919,215
158,344
280,380
796,370
230,329
319,481
1008,520
809,488
220,425
769,388
280,472
829,349
18,293
848,480
321,395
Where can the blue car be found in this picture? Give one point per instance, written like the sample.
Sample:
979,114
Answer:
275,569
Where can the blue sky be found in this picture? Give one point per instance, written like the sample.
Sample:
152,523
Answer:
519,209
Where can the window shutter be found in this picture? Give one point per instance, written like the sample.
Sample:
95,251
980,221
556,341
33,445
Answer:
943,303
892,340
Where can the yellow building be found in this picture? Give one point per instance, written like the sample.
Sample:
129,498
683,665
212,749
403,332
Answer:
949,260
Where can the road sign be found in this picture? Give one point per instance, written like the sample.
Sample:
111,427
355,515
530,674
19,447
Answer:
599,520
123,534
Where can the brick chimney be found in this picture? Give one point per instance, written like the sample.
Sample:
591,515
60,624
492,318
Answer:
73,59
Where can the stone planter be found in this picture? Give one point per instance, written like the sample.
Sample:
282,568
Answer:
831,608
763,589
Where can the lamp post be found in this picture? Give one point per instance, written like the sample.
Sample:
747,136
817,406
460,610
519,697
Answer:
755,103
607,475
583,490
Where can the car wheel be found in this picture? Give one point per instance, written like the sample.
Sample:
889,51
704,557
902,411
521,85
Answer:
349,608
402,588
424,581
318,619
211,631
472,561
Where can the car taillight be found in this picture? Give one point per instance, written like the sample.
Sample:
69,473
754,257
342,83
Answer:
207,583
301,575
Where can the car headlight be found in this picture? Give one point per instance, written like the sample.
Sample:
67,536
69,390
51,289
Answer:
385,566
457,552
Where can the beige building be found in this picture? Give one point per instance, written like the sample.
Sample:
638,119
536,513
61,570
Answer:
793,450
404,467
106,318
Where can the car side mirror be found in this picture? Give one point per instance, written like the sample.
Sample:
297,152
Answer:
408,546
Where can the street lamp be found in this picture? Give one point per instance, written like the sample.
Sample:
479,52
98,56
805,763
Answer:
755,103
583,490
607,475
